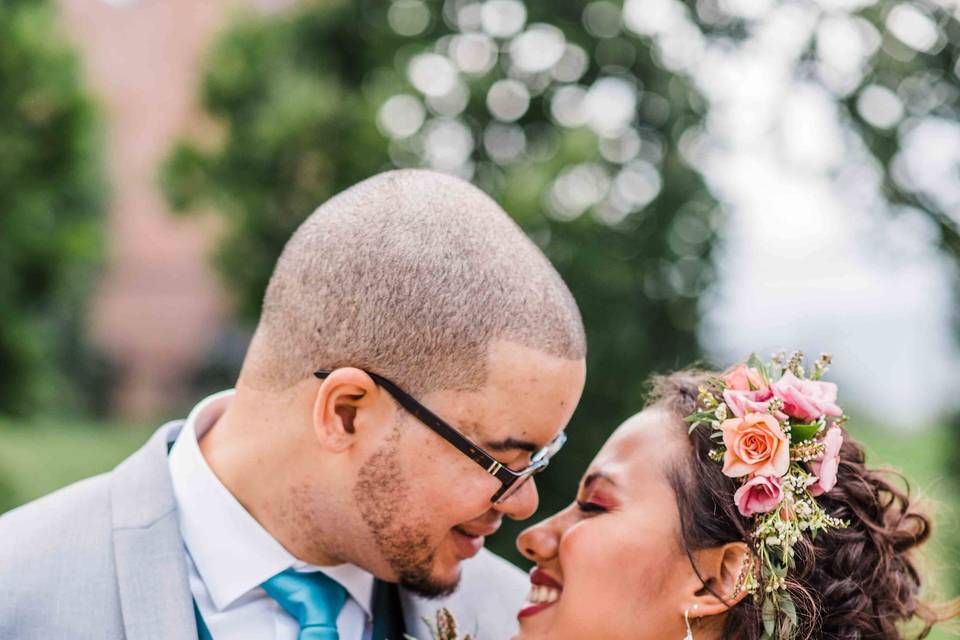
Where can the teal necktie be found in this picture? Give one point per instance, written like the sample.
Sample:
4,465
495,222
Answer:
313,599
203,633
387,618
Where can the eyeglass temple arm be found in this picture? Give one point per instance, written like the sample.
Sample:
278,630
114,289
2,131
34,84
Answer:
448,433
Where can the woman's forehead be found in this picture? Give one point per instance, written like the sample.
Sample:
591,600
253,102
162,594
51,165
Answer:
639,446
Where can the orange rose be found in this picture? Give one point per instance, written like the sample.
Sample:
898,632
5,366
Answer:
756,445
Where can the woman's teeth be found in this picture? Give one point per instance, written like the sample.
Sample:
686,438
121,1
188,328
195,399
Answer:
542,595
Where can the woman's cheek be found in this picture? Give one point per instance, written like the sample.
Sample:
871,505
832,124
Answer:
618,566
597,562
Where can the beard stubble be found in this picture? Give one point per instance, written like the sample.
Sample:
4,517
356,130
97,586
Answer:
382,494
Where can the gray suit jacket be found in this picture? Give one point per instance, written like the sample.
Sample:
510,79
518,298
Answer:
103,560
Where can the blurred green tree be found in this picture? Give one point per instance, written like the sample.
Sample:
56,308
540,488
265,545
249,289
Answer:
295,128
52,200
571,124
906,109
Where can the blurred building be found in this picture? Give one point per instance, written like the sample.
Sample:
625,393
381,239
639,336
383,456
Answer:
159,306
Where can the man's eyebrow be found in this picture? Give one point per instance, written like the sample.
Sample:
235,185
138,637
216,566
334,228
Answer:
512,444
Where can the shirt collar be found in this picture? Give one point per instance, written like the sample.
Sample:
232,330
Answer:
232,552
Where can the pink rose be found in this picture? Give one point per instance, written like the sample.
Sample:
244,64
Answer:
806,400
825,468
759,495
756,445
741,403
743,378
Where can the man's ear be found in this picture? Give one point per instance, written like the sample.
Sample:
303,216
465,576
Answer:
337,410
722,571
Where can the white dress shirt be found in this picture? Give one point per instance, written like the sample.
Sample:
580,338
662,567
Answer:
229,554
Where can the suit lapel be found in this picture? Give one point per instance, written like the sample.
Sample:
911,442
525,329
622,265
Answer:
151,568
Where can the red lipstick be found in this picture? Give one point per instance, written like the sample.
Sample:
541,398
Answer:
539,578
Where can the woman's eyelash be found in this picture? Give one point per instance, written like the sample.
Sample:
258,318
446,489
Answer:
590,507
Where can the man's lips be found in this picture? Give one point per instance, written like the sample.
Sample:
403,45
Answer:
545,591
477,532
469,541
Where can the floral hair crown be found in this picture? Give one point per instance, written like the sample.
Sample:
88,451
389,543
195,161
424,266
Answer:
778,434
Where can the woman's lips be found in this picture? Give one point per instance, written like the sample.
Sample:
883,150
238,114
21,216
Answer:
541,578
533,609
545,591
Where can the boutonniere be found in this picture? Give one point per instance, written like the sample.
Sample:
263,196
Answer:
445,627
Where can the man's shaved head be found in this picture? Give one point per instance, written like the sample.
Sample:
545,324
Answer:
410,274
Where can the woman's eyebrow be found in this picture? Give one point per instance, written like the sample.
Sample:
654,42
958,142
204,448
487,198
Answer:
597,475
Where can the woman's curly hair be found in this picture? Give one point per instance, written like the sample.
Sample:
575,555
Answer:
857,583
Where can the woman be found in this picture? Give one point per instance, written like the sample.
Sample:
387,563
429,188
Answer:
706,532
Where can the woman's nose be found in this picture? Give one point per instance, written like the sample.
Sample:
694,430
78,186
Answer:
539,542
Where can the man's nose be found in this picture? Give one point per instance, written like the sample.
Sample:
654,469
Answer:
523,503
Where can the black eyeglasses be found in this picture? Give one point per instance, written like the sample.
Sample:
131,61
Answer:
510,480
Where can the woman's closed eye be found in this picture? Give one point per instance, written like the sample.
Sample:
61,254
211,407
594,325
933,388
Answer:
591,507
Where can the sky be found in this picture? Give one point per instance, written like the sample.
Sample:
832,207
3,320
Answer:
796,271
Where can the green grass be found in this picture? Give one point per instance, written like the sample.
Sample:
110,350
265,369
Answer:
40,457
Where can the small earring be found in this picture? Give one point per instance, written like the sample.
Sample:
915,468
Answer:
686,620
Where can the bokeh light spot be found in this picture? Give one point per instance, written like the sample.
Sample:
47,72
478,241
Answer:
408,17
566,106
610,105
602,19
447,144
504,143
649,17
473,53
576,189
879,106
572,64
913,26
401,116
503,18
508,100
432,74
538,48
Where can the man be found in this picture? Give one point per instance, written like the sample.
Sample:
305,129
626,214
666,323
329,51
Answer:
416,360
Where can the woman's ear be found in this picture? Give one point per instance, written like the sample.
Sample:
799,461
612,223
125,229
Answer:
722,571
341,398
